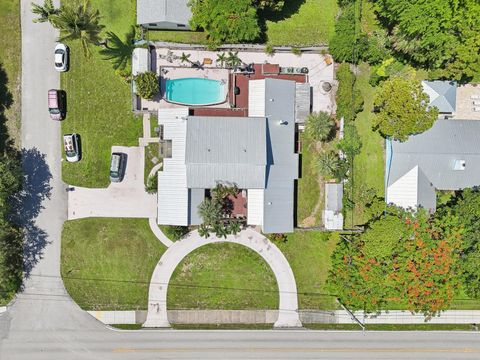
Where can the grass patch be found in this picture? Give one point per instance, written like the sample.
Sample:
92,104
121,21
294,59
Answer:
369,165
223,276
99,103
185,37
107,264
394,327
302,23
151,152
10,62
127,326
222,326
308,190
308,253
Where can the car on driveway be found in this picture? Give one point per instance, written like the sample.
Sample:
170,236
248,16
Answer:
56,104
61,57
117,166
71,145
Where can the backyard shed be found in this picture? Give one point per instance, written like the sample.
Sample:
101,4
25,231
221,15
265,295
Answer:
332,215
163,14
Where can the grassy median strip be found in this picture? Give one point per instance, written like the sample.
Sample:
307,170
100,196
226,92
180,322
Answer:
107,263
223,276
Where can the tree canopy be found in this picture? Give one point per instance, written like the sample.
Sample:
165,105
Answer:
319,125
435,34
402,108
229,21
403,258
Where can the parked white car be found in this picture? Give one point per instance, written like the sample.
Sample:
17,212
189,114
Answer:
71,145
61,57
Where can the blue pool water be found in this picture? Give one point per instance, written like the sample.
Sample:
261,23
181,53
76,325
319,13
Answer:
195,91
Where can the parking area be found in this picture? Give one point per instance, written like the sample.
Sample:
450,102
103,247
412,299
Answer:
126,199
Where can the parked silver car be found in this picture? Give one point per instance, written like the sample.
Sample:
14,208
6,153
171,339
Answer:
71,145
61,57
117,166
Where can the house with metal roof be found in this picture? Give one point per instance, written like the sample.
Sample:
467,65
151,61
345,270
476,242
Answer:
163,14
256,153
443,96
445,157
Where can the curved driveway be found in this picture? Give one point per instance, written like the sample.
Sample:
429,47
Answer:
157,297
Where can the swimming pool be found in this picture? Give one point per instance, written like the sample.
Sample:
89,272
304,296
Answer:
195,91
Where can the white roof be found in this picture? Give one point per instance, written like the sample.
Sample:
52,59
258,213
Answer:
140,61
172,181
255,206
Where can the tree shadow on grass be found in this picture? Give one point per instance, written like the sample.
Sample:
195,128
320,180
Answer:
290,8
28,203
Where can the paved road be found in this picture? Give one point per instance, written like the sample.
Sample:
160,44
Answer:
45,324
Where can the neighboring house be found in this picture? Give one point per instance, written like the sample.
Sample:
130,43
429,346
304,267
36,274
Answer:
332,215
257,153
443,96
163,14
445,157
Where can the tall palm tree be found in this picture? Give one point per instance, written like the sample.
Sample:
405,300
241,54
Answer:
44,12
233,60
185,58
222,58
319,125
120,52
79,21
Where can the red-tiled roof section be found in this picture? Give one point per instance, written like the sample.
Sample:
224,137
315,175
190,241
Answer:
241,81
239,205
270,69
207,111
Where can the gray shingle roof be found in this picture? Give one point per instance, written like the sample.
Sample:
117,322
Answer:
443,94
435,152
153,11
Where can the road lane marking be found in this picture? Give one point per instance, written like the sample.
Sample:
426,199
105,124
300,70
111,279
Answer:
303,350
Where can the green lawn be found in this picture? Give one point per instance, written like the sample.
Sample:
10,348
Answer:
309,256
369,165
99,104
223,276
185,37
303,23
308,190
107,264
10,62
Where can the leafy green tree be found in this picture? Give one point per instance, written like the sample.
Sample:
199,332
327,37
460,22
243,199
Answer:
343,44
78,20
403,258
276,5
227,21
351,144
349,99
44,12
402,109
147,85
319,126
119,51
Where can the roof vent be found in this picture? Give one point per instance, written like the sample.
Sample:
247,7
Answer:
459,165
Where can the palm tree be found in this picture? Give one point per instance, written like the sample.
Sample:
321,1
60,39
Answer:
44,12
210,211
185,58
222,58
220,231
79,21
319,126
233,60
234,227
328,164
120,52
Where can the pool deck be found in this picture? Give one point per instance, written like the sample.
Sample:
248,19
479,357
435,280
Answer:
319,72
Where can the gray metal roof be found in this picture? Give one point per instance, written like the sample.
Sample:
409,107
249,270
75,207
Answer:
426,196
282,160
302,102
436,151
229,149
443,94
334,197
196,196
153,11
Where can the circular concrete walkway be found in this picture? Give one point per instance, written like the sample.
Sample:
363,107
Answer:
157,297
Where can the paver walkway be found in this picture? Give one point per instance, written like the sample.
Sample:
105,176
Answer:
157,297
124,199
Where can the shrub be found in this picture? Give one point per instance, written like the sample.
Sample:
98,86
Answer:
296,51
269,49
351,144
147,85
152,184
349,99
277,237
174,232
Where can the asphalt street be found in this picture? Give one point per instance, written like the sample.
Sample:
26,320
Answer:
45,324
